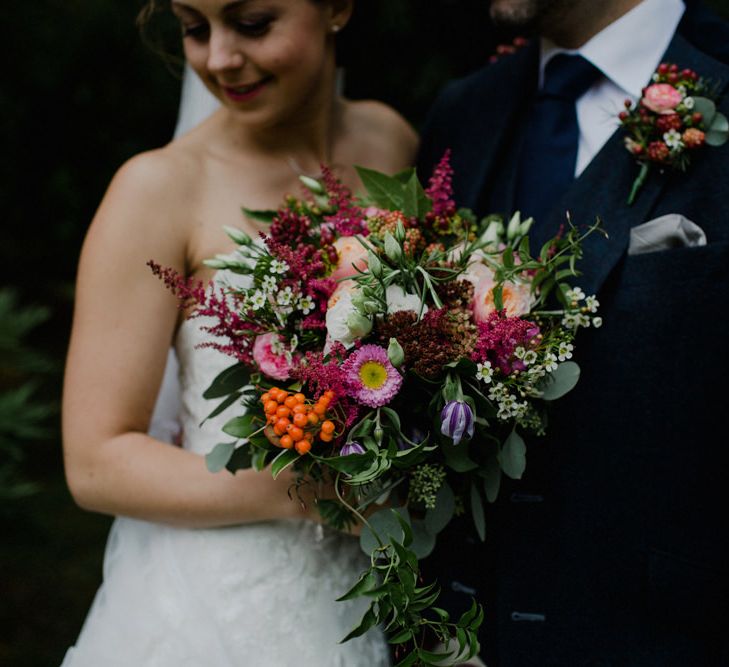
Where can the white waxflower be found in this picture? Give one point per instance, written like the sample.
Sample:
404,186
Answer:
575,294
571,320
592,304
497,392
550,362
597,322
682,90
306,304
564,351
278,266
529,357
688,102
519,352
583,320
258,300
673,139
656,76
537,372
484,372
285,296
269,284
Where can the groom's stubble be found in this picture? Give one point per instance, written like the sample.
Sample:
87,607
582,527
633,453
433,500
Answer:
568,23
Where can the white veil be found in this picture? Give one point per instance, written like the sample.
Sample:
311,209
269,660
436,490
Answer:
196,104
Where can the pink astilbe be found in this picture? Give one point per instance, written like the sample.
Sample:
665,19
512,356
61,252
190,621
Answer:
305,261
319,290
290,228
349,219
237,333
440,189
498,338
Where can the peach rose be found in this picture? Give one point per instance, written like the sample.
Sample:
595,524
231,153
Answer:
662,98
517,298
350,252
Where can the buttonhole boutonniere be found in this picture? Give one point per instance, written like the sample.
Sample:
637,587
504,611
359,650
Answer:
675,117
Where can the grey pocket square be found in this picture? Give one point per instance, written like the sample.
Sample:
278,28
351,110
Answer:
668,231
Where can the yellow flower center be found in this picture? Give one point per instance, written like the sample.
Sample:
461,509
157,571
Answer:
373,374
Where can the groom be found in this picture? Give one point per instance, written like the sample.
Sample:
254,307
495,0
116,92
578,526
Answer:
612,550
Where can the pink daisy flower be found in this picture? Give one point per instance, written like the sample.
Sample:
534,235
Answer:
371,378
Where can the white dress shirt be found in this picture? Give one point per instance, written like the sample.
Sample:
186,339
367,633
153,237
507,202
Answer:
627,52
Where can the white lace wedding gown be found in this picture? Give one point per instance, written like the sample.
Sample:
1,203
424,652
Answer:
258,595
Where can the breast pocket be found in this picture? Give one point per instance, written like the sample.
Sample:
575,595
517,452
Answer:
677,268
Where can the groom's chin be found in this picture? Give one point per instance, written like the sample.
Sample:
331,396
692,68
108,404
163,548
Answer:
525,15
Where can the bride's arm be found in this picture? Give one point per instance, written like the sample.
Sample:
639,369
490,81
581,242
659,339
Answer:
123,322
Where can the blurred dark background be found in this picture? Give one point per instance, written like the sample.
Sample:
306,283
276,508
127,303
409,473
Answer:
80,94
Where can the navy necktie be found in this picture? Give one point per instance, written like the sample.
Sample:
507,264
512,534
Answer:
548,155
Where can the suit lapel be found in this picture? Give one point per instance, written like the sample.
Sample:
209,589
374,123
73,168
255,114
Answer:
602,189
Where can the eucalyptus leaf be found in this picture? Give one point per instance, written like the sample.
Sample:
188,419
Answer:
512,456
477,512
232,378
561,381
491,474
438,517
718,132
423,540
218,457
457,458
387,527
706,108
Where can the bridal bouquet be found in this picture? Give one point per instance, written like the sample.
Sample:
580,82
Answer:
401,350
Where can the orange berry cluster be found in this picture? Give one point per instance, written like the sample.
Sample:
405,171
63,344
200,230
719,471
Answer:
295,421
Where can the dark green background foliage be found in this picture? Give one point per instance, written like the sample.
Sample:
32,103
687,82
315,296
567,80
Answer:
80,94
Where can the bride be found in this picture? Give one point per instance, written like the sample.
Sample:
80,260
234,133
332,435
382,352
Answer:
210,569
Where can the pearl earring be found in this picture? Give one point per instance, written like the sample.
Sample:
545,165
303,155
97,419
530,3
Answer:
336,28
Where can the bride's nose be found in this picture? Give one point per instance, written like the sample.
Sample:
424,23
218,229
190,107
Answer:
224,52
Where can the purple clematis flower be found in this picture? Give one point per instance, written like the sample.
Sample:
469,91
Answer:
351,448
456,420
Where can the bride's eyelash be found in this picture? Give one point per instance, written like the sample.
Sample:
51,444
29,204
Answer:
197,31
255,27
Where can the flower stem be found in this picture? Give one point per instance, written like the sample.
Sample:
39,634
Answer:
638,182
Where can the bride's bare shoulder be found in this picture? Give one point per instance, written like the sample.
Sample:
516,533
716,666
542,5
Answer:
383,135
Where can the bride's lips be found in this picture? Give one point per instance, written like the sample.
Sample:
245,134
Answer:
246,92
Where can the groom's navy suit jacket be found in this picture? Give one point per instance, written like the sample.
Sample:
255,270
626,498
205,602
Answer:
613,549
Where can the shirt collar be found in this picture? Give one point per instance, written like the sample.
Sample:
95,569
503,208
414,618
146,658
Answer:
627,52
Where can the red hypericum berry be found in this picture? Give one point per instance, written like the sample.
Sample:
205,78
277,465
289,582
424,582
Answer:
623,115
663,68
685,73
658,151
627,103
696,117
671,121
673,68
673,77
638,149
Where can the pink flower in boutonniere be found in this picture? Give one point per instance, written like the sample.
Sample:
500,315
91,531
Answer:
661,97
673,118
